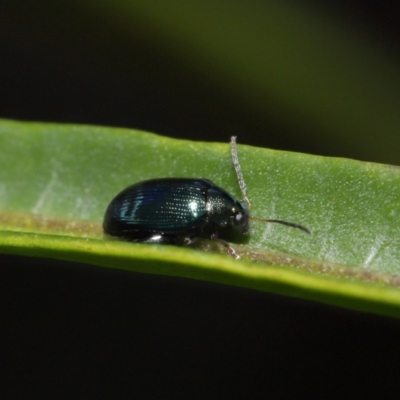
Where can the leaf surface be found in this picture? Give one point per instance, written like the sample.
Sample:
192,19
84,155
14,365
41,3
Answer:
57,180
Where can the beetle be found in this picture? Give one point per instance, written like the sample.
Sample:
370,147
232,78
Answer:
180,210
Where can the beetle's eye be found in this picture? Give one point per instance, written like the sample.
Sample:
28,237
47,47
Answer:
239,216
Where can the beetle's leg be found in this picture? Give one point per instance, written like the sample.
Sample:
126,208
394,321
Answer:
156,238
187,240
231,250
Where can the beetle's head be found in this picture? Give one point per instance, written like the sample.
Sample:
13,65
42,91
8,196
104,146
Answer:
239,218
227,213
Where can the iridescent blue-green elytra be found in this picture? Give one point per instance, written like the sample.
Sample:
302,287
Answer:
175,211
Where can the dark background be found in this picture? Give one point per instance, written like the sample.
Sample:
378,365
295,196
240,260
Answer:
76,331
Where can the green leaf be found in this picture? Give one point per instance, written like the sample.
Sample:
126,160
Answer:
57,180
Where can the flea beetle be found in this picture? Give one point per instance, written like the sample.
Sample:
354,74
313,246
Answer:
180,210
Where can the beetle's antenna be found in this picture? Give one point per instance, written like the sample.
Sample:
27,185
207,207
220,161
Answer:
239,174
242,186
293,225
